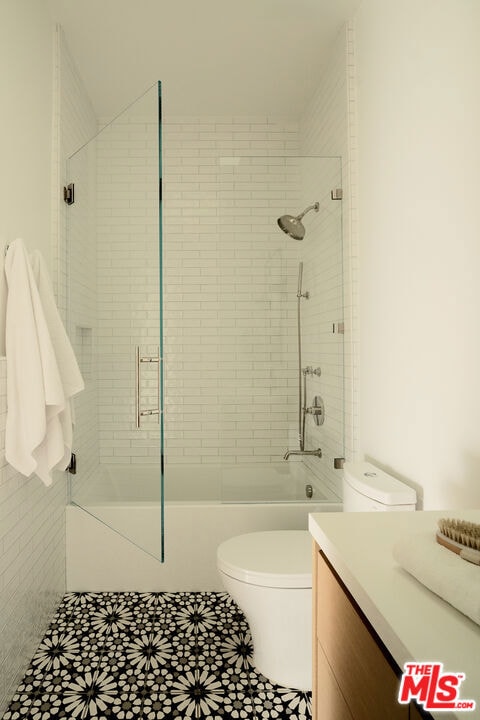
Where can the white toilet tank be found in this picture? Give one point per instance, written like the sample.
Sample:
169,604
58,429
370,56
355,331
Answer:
366,488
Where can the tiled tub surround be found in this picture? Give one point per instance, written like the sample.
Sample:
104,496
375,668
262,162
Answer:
154,656
229,287
227,272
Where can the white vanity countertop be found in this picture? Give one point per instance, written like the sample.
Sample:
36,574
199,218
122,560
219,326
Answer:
414,623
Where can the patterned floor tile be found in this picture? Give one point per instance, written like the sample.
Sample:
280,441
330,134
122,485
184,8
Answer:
158,706
42,707
158,656
282,703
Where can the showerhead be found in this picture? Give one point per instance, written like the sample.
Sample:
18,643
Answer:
292,224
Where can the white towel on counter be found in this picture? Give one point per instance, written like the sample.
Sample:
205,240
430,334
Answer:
442,571
38,412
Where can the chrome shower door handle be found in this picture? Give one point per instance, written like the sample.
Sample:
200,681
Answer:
137,386
148,360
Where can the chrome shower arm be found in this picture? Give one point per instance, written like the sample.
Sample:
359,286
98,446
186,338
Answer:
315,206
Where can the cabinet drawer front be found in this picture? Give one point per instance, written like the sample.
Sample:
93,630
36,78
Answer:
364,676
328,699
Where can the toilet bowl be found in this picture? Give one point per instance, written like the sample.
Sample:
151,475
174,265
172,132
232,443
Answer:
269,575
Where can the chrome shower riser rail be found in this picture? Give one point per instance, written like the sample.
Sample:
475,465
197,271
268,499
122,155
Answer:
301,391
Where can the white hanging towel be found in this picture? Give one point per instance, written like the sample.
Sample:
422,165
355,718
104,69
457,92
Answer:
36,398
71,377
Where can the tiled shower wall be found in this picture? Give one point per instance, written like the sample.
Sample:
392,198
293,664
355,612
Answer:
230,281
328,128
230,386
128,306
75,255
322,315
228,273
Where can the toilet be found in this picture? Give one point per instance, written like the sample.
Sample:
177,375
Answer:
269,575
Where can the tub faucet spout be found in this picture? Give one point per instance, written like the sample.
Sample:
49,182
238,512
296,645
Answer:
317,453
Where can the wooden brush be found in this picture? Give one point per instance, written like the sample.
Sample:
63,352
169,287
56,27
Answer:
461,537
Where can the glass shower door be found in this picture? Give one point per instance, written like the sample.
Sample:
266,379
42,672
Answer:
114,260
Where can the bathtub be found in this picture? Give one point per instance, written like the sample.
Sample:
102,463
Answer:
114,522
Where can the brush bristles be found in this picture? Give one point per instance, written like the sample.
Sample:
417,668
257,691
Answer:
461,531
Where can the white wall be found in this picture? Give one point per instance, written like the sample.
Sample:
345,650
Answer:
25,123
32,522
419,222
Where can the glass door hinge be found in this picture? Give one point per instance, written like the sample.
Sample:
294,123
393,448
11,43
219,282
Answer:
69,194
72,467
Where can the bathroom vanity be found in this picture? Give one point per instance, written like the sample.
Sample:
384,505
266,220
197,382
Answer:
371,617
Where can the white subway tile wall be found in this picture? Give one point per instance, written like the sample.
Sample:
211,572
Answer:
230,383
128,296
328,128
229,362
76,264
351,257
32,560
229,290
32,517
322,315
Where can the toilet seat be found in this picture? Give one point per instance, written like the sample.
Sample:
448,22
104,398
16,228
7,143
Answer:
276,558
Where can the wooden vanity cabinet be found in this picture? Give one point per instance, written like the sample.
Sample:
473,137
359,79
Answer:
355,678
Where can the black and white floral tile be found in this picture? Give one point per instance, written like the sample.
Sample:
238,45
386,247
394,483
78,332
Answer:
155,656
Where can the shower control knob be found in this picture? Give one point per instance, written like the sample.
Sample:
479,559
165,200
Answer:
314,410
317,410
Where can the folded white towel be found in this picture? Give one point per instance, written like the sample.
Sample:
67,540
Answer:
36,399
442,571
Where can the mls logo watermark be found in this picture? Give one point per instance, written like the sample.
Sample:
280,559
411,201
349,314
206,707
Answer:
428,685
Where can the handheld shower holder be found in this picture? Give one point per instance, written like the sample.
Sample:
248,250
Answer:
312,371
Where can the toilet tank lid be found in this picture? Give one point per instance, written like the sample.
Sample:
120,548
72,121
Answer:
378,485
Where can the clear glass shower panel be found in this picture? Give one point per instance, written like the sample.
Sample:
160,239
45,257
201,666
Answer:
257,380
114,247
